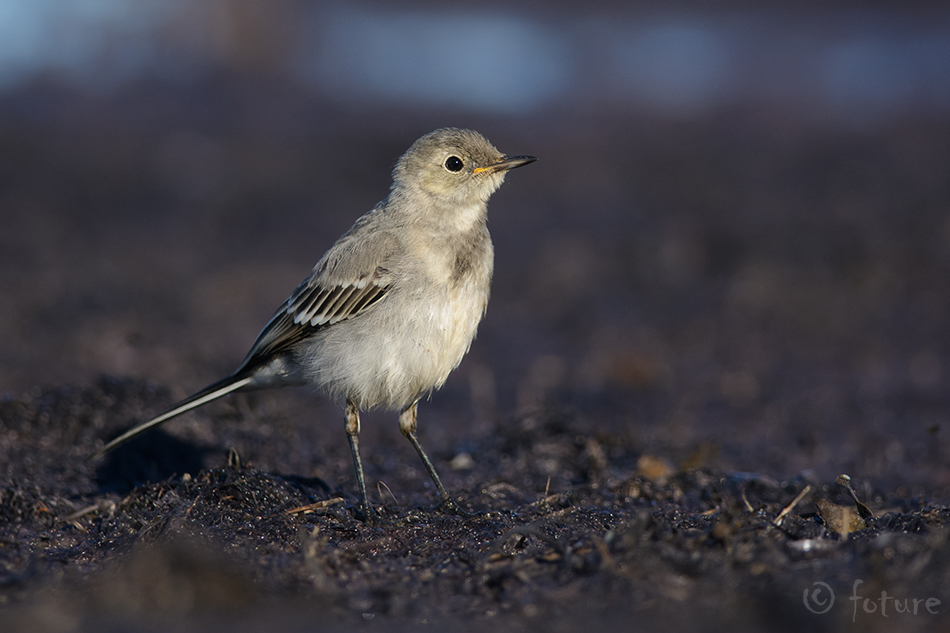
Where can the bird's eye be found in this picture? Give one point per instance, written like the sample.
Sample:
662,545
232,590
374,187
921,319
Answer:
454,163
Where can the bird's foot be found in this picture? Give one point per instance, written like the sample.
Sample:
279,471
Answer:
366,513
449,506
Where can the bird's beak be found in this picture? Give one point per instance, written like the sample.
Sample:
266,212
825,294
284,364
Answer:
508,162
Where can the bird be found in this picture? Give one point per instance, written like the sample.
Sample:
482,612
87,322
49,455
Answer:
392,307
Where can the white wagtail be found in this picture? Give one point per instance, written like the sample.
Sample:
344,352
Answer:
392,307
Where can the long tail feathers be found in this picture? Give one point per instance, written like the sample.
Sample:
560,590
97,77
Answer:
209,393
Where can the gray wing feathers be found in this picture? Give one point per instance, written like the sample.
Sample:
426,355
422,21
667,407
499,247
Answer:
345,282
318,305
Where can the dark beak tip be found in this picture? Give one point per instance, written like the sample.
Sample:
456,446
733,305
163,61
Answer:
513,162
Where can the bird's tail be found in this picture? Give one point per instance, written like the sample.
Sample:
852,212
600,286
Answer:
211,392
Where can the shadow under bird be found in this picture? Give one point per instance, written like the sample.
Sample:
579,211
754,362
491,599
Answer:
392,307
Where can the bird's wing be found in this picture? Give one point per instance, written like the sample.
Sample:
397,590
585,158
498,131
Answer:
313,305
350,278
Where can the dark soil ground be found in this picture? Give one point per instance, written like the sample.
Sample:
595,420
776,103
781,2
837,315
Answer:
696,327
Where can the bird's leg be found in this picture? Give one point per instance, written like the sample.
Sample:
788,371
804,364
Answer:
407,424
353,434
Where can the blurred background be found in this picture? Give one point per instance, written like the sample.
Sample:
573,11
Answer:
734,248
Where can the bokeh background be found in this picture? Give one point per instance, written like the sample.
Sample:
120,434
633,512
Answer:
734,248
